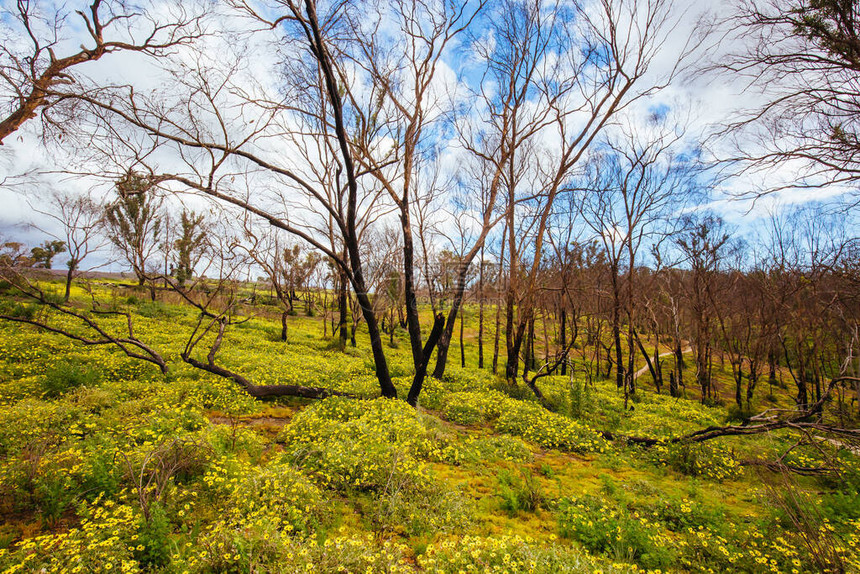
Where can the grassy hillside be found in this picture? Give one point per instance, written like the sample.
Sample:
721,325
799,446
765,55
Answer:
106,465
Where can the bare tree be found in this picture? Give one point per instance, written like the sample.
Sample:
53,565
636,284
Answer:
402,69
34,79
803,57
567,101
80,218
635,180
704,243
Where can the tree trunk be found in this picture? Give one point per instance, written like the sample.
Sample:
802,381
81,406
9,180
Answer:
499,284
284,315
702,378
481,311
427,351
651,368
739,382
616,329
462,348
516,341
413,322
528,359
69,276
563,328
456,304
343,310
753,379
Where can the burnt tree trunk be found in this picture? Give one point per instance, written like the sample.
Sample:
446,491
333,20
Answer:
481,312
462,347
73,265
563,328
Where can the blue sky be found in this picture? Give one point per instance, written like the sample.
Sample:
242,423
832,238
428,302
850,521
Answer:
708,101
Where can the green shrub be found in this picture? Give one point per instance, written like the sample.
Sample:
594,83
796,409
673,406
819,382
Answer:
276,493
738,414
683,514
509,554
349,444
520,492
698,459
103,542
153,549
498,447
268,551
473,407
429,510
68,375
624,537
549,430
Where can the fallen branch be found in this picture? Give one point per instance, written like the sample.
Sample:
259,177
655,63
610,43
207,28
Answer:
801,420
777,466
130,345
256,391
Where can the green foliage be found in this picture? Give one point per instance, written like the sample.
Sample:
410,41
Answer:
704,459
526,419
497,448
265,551
509,554
104,542
520,492
475,407
43,255
360,445
549,430
156,310
189,245
603,528
680,515
430,510
154,537
278,495
68,375
134,221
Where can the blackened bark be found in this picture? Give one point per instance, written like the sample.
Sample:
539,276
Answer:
651,368
462,348
616,329
73,265
343,311
351,240
481,311
413,323
427,351
563,328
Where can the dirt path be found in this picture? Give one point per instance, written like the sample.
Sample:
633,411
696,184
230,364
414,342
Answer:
644,369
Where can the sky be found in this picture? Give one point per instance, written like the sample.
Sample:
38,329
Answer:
28,168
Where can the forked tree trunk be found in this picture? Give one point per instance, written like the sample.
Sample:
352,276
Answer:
69,276
462,347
